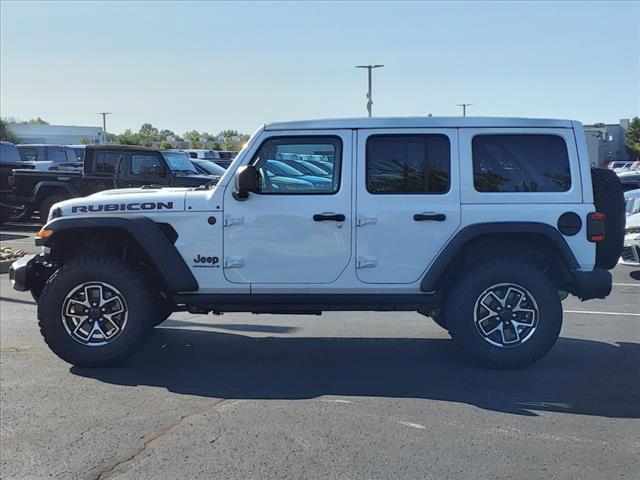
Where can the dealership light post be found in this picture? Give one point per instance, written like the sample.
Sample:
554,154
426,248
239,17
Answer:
369,98
104,120
464,108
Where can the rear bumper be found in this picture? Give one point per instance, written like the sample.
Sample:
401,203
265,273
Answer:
594,284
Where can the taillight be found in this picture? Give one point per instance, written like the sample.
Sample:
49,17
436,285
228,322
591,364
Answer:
596,223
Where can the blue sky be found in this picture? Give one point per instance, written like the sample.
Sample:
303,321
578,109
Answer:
209,66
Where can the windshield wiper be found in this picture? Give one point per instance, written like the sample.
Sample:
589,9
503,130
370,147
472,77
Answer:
208,185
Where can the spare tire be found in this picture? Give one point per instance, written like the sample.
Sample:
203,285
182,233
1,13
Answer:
608,198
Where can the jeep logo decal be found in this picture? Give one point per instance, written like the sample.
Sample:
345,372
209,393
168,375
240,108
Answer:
119,207
211,262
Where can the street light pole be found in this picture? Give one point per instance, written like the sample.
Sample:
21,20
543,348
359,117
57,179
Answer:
464,108
104,120
369,95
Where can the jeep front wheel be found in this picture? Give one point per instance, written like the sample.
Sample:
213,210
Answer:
96,311
505,314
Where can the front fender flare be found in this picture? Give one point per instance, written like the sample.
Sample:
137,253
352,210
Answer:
151,238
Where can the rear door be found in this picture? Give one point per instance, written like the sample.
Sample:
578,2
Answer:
407,201
101,170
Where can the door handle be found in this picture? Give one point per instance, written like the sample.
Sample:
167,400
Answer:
434,217
323,217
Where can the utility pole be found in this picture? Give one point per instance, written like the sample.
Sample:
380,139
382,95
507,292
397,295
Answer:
104,121
464,108
369,98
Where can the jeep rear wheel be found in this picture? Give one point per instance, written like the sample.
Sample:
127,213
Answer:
96,311
505,314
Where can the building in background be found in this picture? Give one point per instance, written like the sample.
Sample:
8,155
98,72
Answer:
606,142
58,134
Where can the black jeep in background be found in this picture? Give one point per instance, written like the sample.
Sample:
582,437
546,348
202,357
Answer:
106,167
9,160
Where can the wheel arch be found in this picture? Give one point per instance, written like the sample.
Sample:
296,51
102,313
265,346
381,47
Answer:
47,188
489,240
150,240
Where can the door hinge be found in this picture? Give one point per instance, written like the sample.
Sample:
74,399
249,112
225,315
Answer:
233,220
233,262
366,219
366,262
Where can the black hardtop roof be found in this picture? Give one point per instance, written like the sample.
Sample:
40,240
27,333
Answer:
121,147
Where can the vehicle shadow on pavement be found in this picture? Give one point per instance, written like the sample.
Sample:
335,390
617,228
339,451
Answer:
577,376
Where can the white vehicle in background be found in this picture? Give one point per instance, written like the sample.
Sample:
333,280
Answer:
483,224
631,249
47,157
620,165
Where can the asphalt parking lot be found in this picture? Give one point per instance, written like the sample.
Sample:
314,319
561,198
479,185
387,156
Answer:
345,395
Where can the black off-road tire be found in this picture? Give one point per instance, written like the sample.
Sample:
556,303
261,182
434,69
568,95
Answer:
46,205
461,302
140,303
5,214
608,197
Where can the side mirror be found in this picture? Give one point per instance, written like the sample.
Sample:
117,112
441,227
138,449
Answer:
246,181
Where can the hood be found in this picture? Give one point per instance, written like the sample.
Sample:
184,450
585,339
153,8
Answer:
125,201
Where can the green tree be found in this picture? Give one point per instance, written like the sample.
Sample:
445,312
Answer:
165,145
148,130
632,139
128,138
6,134
86,141
35,121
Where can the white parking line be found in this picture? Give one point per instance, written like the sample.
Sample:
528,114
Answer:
626,284
413,425
588,312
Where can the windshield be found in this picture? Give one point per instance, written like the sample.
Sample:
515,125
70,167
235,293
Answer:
210,167
179,162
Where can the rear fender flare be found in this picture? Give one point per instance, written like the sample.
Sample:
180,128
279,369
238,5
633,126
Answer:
456,245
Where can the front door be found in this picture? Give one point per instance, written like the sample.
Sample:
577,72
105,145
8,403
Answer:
297,228
144,169
408,201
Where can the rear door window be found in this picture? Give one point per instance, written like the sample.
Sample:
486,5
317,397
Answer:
57,154
108,162
408,164
29,154
520,163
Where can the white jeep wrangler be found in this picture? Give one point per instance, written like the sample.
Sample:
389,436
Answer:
483,224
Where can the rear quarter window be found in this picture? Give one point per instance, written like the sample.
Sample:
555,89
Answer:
520,163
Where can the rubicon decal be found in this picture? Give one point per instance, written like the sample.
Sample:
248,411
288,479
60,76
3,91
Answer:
210,262
120,207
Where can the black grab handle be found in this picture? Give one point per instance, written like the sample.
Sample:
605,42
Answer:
434,217
336,217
